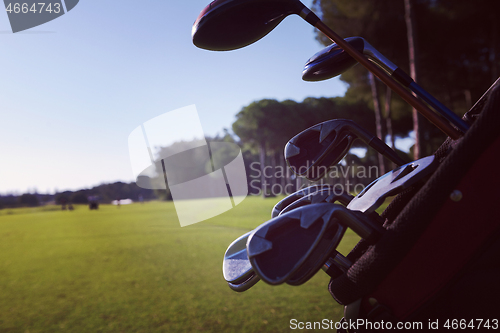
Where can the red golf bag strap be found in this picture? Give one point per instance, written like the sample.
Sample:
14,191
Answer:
462,226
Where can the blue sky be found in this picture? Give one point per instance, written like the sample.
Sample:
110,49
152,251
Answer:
73,89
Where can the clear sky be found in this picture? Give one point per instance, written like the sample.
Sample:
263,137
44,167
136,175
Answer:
73,89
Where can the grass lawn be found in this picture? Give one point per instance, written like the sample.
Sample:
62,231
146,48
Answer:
134,269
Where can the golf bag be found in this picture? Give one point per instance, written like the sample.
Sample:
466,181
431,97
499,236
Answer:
438,262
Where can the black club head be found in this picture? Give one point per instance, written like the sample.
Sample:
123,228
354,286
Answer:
331,61
231,24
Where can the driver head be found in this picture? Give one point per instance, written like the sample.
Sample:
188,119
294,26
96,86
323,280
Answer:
231,24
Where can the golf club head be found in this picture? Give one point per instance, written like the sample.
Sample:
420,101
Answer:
295,196
319,257
278,248
226,25
331,61
236,267
323,251
392,183
323,195
311,152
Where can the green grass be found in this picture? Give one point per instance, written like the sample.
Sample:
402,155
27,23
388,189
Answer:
134,269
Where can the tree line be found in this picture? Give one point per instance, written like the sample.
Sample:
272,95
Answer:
105,192
263,128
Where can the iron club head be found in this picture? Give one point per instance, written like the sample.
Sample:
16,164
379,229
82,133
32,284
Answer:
283,203
322,195
318,257
236,267
313,150
278,248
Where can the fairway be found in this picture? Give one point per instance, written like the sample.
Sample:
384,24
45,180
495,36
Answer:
134,269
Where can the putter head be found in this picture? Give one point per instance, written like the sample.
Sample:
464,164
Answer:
331,61
236,267
311,152
226,25
279,247
295,196
392,183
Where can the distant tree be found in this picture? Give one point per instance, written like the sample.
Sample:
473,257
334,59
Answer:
79,197
412,56
256,125
29,200
9,201
63,198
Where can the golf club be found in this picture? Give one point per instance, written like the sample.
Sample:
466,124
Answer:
279,248
337,263
236,267
295,196
334,264
323,195
333,61
231,24
240,276
392,183
313,150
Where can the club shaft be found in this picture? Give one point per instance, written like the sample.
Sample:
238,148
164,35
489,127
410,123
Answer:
377,144
340,261
441,123
399,75
336,265
438,106
386,151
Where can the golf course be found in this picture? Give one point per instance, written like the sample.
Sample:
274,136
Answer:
134,269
